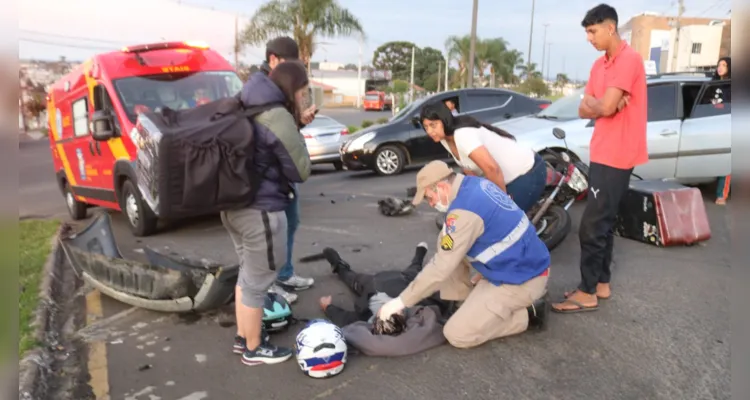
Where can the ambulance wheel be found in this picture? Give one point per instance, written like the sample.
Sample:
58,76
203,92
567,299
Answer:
141,219
76,209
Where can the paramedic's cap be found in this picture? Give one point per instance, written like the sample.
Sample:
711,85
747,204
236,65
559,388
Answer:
283,47
430,174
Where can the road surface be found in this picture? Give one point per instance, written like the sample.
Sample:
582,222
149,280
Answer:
663,335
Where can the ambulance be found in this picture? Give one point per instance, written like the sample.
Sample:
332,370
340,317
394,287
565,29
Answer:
93,110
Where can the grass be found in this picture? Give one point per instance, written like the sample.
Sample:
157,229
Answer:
34,247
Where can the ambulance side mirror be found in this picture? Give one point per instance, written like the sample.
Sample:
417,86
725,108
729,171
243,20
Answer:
104,125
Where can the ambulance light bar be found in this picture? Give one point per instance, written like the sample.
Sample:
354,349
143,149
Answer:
141,48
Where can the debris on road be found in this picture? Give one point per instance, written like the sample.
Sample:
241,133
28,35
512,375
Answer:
145,367
393,206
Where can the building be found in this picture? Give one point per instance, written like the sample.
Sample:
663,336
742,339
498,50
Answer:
702,40
343,86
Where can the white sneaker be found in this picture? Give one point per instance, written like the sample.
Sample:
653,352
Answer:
289,297
296,282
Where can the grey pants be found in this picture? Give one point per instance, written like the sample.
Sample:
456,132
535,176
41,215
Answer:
259,239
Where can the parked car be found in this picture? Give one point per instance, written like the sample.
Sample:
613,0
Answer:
323,137
689,137
388,148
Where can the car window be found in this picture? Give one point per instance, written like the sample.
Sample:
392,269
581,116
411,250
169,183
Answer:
81,117
478,101
715,100
662,102
565,108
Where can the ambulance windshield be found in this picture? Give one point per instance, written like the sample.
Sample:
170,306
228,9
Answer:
177,91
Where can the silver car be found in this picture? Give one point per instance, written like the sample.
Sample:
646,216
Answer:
323,137
688,133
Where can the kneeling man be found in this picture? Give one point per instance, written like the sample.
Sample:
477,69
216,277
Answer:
486,230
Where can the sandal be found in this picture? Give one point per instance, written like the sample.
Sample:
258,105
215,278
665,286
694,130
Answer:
581,307
568,294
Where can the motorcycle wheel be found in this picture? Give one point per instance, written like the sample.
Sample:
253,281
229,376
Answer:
555,225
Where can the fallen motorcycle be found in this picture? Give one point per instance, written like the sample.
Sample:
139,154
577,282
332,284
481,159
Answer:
567,182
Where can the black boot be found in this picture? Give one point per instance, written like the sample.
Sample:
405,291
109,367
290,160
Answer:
333,258
419,254
538,313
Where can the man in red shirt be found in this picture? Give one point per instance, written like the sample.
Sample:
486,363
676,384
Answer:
616,98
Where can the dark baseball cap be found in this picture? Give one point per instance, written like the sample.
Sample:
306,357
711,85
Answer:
282,47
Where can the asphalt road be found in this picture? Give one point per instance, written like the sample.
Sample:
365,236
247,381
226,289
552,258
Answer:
664,334
353,116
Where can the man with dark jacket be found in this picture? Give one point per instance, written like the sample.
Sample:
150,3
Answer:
279,50
365,286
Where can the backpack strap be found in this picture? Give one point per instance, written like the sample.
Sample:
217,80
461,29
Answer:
251,112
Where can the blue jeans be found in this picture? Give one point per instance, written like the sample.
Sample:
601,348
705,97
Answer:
292,222
528,188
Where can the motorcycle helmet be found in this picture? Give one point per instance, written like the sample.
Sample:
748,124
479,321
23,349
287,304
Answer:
320,349
276,312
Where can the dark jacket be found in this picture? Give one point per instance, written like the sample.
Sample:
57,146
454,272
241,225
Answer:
281,156
391,283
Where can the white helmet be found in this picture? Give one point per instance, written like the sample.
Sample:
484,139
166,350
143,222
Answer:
320,349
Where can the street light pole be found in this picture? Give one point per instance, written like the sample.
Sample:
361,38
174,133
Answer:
473,45
544,46
447,63
359,74
531,35
411,86
549,57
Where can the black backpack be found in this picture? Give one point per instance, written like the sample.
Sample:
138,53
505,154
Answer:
198,161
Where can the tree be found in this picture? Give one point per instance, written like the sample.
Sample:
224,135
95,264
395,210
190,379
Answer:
534,86
561,81
529,71
304,20
427,63
394,57
458,50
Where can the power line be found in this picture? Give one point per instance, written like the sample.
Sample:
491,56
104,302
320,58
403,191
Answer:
80,46
716,5
57,35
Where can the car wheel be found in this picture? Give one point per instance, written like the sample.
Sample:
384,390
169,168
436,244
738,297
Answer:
338,165
389,160
76,209
141,219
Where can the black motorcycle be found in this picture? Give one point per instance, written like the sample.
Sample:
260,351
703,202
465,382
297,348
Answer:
567,182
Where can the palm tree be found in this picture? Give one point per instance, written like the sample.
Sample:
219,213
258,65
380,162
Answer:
529,71
561,81
490,55
304,20
458,50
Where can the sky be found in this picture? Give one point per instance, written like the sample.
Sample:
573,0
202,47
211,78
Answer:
78,29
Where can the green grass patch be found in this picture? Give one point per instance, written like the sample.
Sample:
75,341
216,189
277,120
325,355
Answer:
34,246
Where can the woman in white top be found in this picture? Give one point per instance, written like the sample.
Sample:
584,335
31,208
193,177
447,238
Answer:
484,150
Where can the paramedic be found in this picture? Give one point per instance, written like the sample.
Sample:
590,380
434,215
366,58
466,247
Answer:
259,231
485,230
616,98
279,50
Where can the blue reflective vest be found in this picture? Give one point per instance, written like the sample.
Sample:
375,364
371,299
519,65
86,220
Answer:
509,251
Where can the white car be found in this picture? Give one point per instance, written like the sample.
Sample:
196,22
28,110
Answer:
689,136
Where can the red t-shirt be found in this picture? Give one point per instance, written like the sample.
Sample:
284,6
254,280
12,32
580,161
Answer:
619,140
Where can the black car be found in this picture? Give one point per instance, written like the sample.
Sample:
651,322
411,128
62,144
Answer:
388,148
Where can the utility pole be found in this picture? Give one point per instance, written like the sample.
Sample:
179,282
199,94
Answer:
544,45
236,41
549,58
359,74
472,45
411,86
447,67
531,35
678,25
440,70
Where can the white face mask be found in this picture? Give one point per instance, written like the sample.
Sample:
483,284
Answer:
440,206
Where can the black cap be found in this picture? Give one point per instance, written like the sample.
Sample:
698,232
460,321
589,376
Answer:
282,47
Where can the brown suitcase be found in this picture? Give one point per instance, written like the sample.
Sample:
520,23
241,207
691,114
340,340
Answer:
663,213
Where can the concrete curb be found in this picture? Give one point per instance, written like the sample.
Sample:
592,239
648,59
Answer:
34,369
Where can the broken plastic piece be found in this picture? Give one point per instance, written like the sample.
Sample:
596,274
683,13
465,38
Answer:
167,283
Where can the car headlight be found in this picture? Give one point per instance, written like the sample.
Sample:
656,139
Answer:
359,142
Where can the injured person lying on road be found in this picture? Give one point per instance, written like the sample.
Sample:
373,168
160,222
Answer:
411,331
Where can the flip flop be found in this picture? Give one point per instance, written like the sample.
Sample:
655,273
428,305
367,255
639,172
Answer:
568,294
581,308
